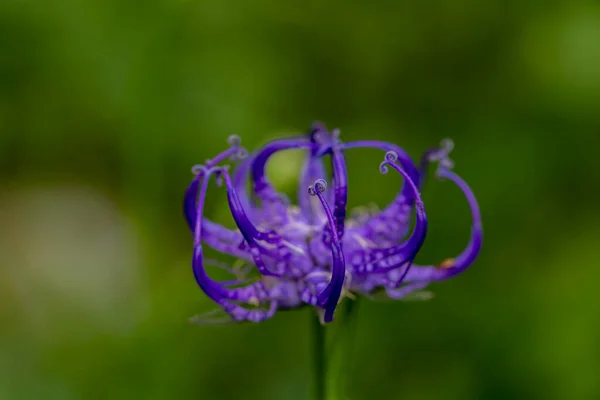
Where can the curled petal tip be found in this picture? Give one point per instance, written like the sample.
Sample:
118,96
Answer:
391,156
447,144
442,155
319,186
234,140
383,167
240,154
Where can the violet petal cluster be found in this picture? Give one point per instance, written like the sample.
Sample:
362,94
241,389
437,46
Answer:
313,253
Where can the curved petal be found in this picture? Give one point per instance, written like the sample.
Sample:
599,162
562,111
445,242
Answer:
312,170
454,266
240,179
217,291
212,289
340,176
216,236
393,220
384,260
272,200
329,297
253,235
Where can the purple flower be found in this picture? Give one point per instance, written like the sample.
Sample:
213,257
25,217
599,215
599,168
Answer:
312,254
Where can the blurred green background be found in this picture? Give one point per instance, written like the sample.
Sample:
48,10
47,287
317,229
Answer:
105,106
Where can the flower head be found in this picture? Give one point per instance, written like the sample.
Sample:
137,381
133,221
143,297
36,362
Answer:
313,254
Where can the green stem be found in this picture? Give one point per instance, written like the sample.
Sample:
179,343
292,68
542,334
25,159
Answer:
320,367
342,352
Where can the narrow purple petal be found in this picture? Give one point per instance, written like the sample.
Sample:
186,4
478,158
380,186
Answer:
394,218
262,187
312,170
213,290
216,236
382,260
240,178
340,176
253,235
454,266
217,292
330,295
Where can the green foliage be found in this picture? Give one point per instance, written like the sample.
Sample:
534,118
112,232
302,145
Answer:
105,106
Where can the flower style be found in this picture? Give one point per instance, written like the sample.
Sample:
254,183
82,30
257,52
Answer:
312,254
